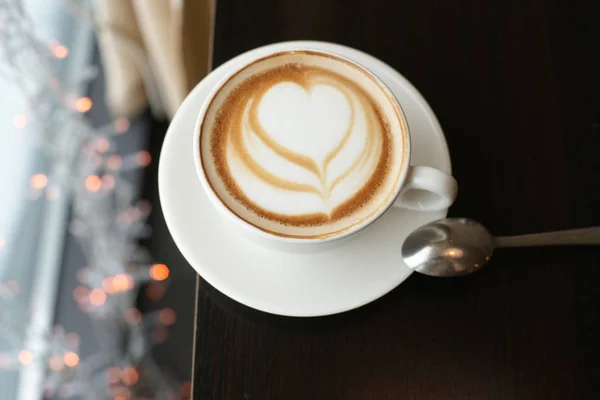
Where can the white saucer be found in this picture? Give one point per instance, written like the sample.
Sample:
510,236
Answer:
350,275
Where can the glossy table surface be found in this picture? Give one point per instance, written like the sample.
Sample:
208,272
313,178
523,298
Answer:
515,86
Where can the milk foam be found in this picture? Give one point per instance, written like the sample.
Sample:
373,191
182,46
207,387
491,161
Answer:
303,145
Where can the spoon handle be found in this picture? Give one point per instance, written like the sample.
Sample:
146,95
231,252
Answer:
585,236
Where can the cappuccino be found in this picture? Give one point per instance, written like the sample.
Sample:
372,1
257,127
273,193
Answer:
303,144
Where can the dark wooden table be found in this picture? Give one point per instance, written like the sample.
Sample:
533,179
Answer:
516,86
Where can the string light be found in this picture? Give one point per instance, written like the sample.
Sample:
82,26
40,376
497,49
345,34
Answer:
97,297
83,104
159,272
19,121
71,359
93,183
25,357
55,105
39,181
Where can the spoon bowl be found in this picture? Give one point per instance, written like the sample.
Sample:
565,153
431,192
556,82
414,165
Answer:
448,247
460,246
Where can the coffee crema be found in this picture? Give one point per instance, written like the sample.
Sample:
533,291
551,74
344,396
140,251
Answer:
300,144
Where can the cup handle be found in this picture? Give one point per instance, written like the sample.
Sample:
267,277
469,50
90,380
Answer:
427,189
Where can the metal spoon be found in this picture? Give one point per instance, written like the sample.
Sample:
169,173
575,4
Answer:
460,246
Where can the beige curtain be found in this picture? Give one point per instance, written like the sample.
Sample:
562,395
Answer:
153,51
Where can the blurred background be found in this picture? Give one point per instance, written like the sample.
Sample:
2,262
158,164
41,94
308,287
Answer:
90,307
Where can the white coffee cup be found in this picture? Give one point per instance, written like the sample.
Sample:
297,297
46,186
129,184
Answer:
420,188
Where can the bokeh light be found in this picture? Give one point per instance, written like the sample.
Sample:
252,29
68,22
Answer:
122,282
93,183
160,334
185,390
97,297
20,121
71,359
129,376
133,316
59,50
108,182
73,339
143,158
114,162
107,284
124,219
81,294
39,181
113,375
52,193
56,363
102,145
121,125
2,241
122,394
5,361
144,206
25,357
159,272
167,316
155,291
83,275
83,104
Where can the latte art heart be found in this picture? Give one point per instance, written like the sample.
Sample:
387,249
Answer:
301,146
346,152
